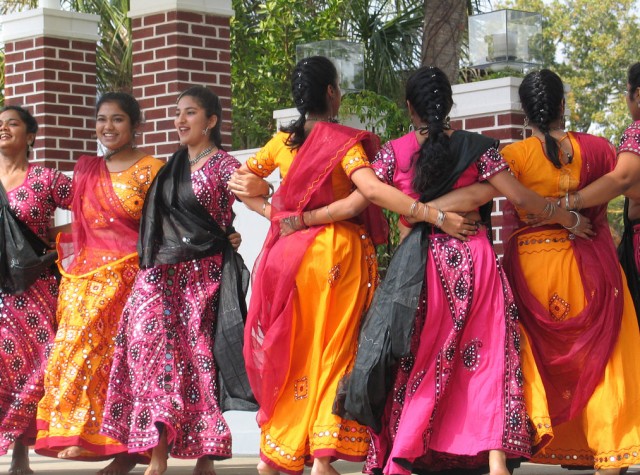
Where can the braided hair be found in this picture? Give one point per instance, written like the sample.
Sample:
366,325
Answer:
429,92
633,78
541,94
309,82
210,102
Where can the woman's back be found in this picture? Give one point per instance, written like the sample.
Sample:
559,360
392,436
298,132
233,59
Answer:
278,154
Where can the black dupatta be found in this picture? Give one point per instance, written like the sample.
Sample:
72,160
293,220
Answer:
385,336
175,228
626,255
23,254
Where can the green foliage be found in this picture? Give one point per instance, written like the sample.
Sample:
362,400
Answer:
115,46
377,113
390,31
114,51
468,74
264,36
615,216
590,44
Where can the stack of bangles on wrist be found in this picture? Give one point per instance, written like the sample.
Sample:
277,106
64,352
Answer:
413,211
548,211
577,201
295,222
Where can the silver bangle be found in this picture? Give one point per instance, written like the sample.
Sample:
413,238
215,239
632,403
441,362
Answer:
440,219
329,214
271,190
575,226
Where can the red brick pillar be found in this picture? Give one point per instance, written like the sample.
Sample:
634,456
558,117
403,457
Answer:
50,67
177,44
492,108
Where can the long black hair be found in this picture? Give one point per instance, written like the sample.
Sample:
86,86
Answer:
541,94
429,92
29,120
309,82
633,78
210,102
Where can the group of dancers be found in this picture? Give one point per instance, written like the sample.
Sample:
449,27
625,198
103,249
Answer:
454,363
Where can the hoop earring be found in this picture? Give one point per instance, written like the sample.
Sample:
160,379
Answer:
525,124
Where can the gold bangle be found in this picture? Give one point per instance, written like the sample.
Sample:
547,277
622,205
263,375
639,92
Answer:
329,214
264,207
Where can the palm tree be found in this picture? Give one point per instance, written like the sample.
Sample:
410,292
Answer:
114,48
445,24
390,31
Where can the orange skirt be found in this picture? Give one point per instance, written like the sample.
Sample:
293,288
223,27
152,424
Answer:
335,285
607,432
77,376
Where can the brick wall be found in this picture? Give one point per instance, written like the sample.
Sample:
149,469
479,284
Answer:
55,78
173,50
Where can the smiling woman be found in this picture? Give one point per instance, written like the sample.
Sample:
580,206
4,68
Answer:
28,318
164,390
98,262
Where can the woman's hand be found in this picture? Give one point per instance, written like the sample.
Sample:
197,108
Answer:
458,226
244,183
235,239
582,227
291,224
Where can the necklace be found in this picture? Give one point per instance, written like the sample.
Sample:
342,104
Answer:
568,155
197,158
332,120
111,153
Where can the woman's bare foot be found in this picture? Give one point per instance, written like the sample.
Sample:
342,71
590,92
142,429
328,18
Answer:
322,466
120,465
70,452
204,466
20,459
159,455
265,469
498,463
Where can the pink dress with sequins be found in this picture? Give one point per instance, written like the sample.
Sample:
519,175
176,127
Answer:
459,393
163,366
27,321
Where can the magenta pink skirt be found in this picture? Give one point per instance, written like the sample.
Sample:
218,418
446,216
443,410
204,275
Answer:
459,394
